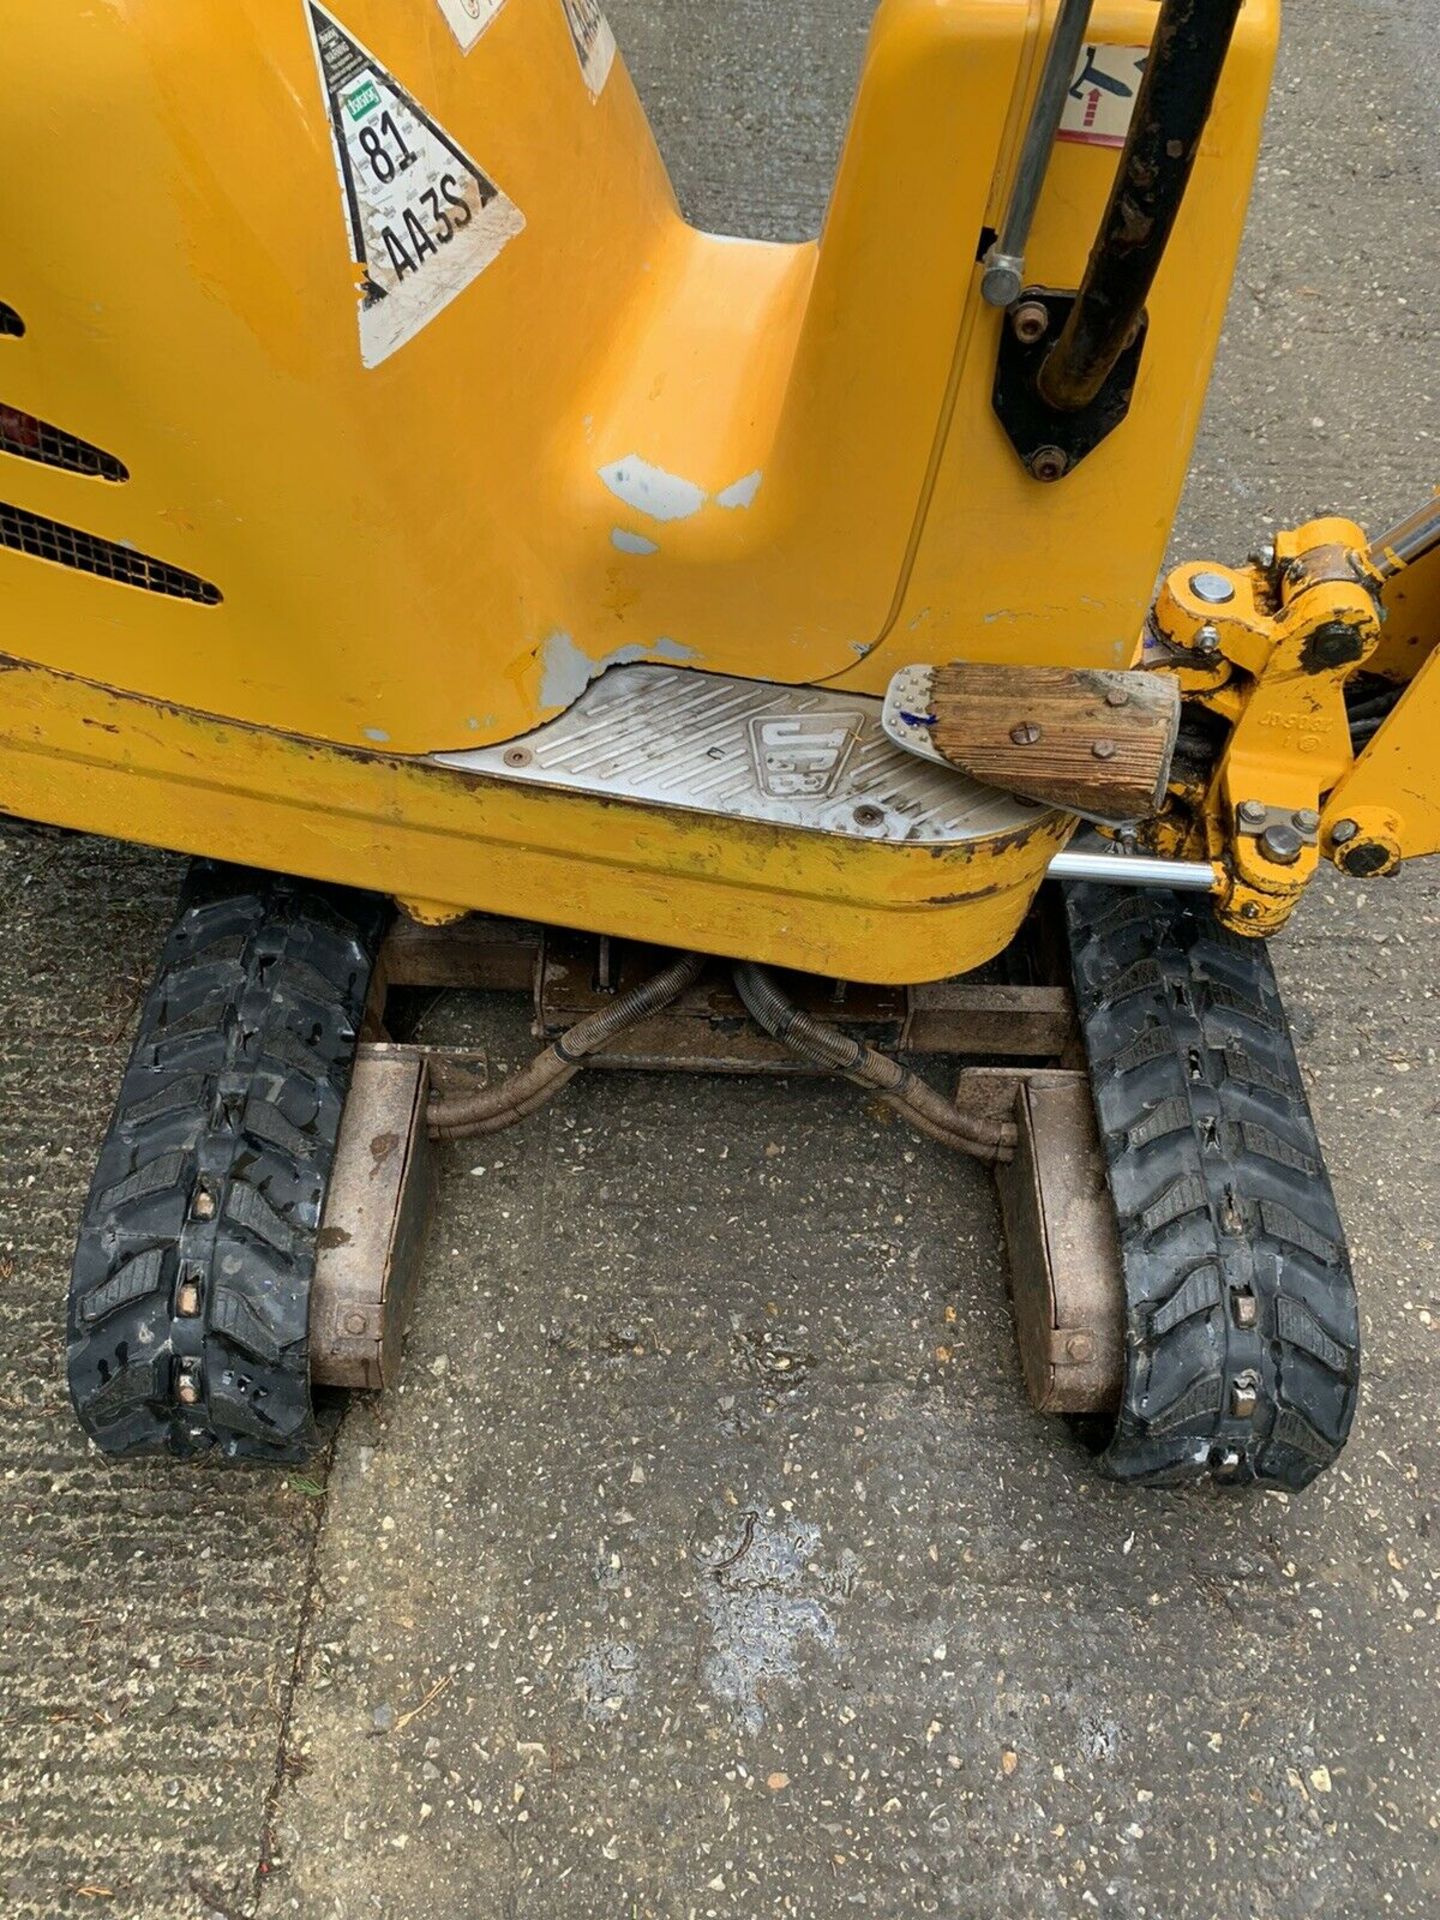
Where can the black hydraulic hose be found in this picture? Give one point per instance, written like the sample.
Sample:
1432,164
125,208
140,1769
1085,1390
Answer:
1192,40
462,1116
821,1045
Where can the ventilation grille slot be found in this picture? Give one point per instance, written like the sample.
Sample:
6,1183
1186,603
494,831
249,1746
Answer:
43,539
12,327
33,439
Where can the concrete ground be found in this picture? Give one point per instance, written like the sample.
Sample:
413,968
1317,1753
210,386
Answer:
708,1561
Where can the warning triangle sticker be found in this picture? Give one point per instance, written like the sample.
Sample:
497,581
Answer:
423,219
594,42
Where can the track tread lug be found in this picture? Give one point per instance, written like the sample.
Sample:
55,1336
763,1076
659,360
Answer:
1266,1144
164,1174
135,1383
1198,1293
1283,1223
1295,1322
134,1279
1186,1195
1201,1397
1169,1116
238,1317
249,1209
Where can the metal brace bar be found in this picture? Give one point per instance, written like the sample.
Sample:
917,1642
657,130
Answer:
1005,261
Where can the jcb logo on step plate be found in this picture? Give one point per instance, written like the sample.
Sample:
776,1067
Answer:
802,756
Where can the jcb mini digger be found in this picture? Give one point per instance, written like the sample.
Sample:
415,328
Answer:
401,505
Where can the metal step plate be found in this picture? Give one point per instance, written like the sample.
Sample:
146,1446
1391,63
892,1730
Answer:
791,756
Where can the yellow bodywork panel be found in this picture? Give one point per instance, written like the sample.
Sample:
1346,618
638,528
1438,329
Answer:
401,467
1390,795
1411,600
404,549
72,752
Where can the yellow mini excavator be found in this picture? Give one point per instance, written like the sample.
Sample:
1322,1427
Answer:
491,578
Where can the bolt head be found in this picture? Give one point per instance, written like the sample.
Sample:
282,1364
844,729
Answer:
1103,749
1264,556
1252,812
1026,734
1212,588
355,1323
1307,819
1030,321
1207,640
1079,1347
1282,844
1049,463
1343,831
1117,697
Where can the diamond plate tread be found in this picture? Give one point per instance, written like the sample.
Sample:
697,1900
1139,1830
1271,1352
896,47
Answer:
747,749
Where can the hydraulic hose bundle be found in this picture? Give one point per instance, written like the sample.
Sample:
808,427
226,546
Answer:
822,1045
463,1116
491,1109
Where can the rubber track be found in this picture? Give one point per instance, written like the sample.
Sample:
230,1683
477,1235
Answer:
1222,1198
214,1172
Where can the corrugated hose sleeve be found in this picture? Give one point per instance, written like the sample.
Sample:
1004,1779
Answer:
494,1108
821,1045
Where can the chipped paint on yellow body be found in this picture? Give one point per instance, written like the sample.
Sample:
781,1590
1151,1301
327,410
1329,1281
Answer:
860,909
624,439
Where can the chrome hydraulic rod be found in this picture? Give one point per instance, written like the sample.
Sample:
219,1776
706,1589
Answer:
1005,261
1136,870
1415,536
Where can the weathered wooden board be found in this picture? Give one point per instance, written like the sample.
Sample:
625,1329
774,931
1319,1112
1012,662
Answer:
1094,742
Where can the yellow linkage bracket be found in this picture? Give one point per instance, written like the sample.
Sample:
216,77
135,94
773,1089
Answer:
1269,648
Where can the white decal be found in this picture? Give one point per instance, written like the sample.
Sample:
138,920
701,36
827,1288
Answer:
424,220
1101,101
594,42
469,18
